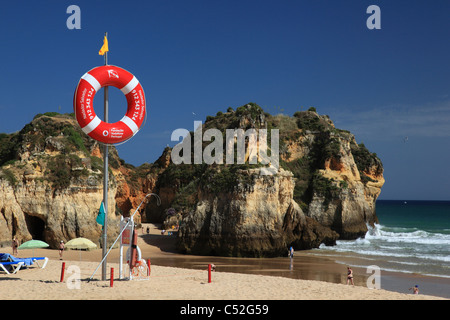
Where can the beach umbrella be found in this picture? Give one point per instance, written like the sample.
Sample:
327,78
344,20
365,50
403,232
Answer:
33,244
80,244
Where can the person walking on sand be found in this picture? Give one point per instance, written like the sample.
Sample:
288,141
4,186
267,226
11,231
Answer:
350,276
14,245
61,249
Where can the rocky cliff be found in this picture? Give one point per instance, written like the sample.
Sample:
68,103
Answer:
51,183
324,189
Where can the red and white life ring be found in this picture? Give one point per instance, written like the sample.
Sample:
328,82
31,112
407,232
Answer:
90,123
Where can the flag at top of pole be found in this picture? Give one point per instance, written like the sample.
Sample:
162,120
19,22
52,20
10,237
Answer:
104,48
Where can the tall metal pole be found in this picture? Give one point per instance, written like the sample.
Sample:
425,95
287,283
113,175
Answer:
105,181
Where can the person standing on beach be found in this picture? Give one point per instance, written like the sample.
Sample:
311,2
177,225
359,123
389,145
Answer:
14,246
291,252
61,249
350,276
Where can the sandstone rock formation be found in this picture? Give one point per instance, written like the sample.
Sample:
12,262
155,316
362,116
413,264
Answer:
325,188
329,193
258,219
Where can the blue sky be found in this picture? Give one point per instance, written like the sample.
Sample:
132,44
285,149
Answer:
199,57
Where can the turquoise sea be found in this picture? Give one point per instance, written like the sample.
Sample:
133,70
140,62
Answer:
412,237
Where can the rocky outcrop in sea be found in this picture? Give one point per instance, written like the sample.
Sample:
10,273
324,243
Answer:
324,190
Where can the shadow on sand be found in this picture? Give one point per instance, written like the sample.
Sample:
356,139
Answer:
165,243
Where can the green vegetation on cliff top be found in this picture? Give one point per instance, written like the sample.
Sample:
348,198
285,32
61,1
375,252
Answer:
55,142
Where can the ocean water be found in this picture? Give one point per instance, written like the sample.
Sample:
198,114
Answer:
411,237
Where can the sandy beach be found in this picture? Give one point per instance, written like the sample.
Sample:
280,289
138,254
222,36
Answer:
167,282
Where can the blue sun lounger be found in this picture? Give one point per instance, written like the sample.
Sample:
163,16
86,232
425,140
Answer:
9,260
4,266
36,259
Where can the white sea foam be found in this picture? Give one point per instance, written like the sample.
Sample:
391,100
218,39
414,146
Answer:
400,249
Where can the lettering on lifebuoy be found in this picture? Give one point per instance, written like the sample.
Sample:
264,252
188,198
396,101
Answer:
90,123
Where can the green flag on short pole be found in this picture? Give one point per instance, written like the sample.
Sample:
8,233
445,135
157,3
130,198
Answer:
101,215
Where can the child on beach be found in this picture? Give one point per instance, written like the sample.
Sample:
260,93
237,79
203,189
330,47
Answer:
415,289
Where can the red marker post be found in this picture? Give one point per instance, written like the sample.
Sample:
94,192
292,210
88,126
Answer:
111,281
209,273
62,272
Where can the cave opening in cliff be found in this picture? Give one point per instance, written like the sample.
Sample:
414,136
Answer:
35,226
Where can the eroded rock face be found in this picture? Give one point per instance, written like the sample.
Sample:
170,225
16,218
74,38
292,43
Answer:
262,219
33,210
258,219
351,207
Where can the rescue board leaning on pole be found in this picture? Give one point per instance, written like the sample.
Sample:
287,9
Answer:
90,123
